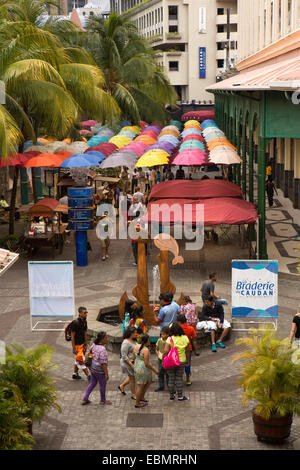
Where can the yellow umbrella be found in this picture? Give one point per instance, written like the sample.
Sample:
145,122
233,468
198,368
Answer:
120,140
193,122
135,129
153,157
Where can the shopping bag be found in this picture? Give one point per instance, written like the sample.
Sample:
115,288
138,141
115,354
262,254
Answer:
172,358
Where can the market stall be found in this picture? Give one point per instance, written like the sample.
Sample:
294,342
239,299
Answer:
45,227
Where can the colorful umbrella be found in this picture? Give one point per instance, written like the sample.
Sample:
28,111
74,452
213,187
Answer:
217,142
76,162
153,158
145,138
33,148
64,154
78,147
121,158
106,148
49,160
169,138
189,132
15,159
120,140
169,132
137,147
99,155
214,135
193,137
190,158
171,127
97,139
89,123
192,122
192,144
167,146
106,133
209,129
176,123
143,124
224,155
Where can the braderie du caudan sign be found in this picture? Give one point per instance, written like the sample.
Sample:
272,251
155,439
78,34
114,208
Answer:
254,289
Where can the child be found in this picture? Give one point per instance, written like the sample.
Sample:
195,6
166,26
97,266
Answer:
159,349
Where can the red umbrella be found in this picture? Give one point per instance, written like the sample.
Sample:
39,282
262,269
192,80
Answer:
138,147
15,159
143,124
107,148
150,132
193,137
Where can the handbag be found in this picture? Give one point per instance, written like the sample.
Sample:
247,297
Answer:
89,358
172,358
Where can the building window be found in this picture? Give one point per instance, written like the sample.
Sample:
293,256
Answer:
220,63
220,11
220,28
173,12
173,66
173,29
161,13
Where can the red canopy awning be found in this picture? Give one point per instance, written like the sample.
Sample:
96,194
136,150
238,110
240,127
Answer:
194,189
224,210
198,115
44,207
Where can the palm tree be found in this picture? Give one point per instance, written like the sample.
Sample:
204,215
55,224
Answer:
48,86
28,370
132,77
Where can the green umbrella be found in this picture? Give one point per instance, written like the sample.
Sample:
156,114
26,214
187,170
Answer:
192,144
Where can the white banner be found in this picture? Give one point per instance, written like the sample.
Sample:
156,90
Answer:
51,288
254,289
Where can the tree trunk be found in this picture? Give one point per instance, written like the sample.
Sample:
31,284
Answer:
12,210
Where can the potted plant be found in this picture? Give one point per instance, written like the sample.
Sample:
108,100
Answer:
272,380
28,370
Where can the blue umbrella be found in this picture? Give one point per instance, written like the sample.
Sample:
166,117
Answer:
99,155
169,138
76,162
190,131
29,143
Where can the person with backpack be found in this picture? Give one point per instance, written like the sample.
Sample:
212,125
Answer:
77,330
129,307
98,368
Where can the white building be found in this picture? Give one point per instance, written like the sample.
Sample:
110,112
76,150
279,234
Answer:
190,37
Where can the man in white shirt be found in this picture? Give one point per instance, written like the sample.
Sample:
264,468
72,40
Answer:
138,194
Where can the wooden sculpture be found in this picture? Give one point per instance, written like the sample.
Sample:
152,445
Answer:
165,243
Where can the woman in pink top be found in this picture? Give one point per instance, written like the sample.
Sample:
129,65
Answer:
98,369
189,310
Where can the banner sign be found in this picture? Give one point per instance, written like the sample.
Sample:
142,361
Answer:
254,289
51,288
202,62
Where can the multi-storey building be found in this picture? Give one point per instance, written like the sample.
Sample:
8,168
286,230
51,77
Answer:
258,108
195,41
66,6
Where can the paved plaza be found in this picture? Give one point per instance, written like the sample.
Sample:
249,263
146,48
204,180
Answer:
213,419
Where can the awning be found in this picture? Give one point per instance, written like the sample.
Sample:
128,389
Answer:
192,189
228,211
281,73
44,207
198,115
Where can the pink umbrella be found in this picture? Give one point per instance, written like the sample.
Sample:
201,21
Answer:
89,123
85,131
191,157
138,147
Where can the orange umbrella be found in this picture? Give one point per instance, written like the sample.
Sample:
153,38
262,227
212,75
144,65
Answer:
193,126
146,138
217,142
64,154
46,140
169,132
44,160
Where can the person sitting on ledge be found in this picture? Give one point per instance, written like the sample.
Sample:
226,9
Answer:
213,319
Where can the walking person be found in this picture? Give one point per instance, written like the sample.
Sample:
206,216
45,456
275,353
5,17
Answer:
124,175
98,369
270,188
142,370
142,180
192,336
129,307
127,360
103,231
295,337
159,350
79,342
138,322
134,179
179,340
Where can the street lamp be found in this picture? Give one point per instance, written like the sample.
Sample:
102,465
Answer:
49,179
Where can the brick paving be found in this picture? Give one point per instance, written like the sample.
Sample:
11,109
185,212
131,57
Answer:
213,419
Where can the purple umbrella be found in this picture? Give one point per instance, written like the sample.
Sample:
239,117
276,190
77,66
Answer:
167,146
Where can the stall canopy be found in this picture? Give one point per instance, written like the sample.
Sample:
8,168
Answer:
187,189
198,115
44,207
224,210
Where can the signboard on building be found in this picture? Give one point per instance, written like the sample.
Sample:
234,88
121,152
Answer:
254,289
202,62
202,20
51,290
